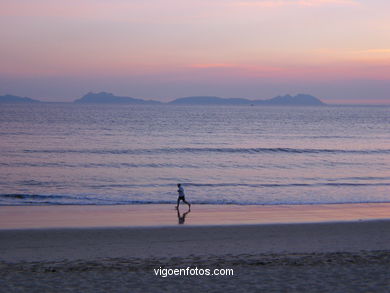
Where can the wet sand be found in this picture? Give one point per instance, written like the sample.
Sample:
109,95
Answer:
325,255
73,216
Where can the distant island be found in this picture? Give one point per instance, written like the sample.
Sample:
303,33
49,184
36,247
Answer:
108,98
16,99
287,100
210,100
105,98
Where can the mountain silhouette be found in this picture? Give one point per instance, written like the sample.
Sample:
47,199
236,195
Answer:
108,98
298,100
287,100
202,100
105,98
16,99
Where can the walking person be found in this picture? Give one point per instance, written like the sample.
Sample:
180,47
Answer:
180,190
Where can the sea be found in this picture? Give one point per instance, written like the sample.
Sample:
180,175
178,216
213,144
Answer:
93,154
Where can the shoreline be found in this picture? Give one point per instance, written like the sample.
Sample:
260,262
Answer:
164,215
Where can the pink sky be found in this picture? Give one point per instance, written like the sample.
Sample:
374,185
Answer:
338,50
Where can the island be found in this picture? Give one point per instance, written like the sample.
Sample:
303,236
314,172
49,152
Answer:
210,100
108,98
16,99
286,100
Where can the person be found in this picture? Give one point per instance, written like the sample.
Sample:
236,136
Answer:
182,197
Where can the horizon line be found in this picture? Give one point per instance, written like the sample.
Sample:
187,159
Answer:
336,102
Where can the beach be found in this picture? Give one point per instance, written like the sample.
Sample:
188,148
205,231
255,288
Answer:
268,121
327,255
157,215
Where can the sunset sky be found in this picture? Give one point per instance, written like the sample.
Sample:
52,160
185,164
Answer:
337,50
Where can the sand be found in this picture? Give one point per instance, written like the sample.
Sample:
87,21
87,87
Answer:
322,256
320,272
181,241
72,216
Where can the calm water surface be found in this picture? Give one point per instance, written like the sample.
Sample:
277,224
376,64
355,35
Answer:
115,154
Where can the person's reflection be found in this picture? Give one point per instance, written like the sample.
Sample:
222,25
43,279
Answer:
182,218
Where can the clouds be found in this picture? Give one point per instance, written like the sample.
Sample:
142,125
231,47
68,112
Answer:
218,43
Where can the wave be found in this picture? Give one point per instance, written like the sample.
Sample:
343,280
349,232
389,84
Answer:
253,185
221,185
39,199
209,150
101,165
288,184
42,199
32,196
339,182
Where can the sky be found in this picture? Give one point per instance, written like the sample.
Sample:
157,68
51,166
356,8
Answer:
337,50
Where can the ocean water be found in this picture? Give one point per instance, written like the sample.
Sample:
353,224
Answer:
57,153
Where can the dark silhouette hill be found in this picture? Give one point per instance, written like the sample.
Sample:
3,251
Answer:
287,100
202,100
106,98
16,99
